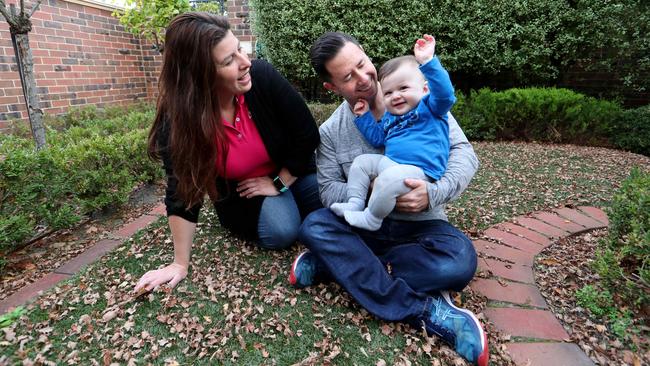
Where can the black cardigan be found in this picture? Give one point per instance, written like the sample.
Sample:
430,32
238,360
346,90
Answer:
289,134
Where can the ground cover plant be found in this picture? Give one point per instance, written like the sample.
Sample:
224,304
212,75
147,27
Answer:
237,308
93,160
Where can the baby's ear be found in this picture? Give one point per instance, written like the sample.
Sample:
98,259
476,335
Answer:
426,87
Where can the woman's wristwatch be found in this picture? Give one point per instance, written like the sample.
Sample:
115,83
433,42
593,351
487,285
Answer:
279,184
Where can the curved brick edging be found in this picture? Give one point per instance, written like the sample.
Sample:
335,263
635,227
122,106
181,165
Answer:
90,255
516,306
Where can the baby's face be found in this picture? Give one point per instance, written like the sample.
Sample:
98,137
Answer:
403,89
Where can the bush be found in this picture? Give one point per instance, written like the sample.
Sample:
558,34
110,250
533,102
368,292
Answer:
92,165
535,114
531,41
623,259
322,112
632,131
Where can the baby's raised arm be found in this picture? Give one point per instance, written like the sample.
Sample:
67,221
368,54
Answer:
424,49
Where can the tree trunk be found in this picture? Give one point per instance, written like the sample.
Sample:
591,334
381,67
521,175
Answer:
33,104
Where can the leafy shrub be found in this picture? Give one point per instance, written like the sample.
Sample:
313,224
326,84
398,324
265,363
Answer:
632,130
92,165
540,114
531,41
623,259
322,112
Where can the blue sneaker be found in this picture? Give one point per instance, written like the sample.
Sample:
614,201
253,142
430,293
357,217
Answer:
459,328
303,270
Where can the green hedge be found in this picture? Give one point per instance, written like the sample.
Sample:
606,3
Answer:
631,131
536,114
623,260
93,162
532,40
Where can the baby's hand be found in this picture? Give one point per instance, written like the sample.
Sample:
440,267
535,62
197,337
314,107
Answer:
360,107
424,49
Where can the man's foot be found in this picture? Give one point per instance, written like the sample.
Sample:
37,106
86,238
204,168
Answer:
303,270
459,328
363,220
340,207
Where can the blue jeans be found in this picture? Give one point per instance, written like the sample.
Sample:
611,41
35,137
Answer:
281,215
425,257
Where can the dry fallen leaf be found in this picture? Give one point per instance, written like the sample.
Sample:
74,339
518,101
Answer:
109,315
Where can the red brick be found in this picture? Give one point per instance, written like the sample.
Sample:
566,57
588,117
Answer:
578,217
513,292
559,222
89,256
514,241
504,252
30,292
526,233
528,323
515,272
159,210
595,213
134,226
543,354
541,227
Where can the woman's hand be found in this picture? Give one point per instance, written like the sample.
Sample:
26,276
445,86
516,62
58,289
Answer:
259,186
172,275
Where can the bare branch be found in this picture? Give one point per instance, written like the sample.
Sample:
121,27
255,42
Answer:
38,3
5,13
22,7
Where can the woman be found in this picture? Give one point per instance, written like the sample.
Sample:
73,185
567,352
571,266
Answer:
235,130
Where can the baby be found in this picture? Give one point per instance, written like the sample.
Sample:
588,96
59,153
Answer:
414,132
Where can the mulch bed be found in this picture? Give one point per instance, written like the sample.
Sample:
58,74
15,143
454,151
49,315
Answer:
560,271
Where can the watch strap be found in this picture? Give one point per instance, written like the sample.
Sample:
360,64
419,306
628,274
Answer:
279,184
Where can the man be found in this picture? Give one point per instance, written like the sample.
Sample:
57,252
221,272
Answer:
403,271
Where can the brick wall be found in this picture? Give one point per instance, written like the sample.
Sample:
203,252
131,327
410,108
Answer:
238,16
81,56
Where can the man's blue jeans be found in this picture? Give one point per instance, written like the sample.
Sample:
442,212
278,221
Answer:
281,215
424,257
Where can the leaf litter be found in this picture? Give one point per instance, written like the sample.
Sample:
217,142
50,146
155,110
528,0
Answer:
236,306
561,270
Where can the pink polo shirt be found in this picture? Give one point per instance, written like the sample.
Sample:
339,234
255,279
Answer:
247,155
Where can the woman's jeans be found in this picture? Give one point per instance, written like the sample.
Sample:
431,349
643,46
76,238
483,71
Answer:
281,215
391,272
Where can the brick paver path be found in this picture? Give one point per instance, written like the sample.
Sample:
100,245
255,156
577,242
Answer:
506,252
515,305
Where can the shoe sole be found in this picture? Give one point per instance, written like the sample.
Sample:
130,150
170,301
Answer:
483,358
292,275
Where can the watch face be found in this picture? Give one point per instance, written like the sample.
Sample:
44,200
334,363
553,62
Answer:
277,183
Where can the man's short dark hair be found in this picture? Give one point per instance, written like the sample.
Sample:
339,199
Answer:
325,48
393,64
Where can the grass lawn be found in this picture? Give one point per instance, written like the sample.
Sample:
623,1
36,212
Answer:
236,306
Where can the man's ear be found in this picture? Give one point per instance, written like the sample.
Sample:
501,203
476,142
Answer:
331,87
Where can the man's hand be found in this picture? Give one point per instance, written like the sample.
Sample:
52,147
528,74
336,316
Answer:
172,274
415,201
424,49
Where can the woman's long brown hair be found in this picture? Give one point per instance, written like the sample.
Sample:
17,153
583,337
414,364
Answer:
188,103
